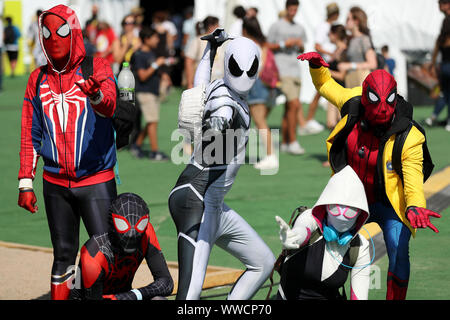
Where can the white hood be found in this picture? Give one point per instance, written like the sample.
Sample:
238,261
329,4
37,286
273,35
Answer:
343,188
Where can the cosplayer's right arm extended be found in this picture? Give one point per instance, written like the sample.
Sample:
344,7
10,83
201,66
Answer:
299,234
360,274
30,145
325,84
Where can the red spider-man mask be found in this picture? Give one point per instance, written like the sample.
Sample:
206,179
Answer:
56,39
379,97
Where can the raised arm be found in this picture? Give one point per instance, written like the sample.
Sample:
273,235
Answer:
325,84
215,40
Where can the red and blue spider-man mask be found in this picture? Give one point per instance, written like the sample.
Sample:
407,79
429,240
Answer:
129,216
379,97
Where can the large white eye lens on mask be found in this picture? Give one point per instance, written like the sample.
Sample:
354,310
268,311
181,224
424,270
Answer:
63,31
121,224
141,224
373,97
391,98
45,32
346,211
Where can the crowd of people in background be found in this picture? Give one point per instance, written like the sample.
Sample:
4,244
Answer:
177,49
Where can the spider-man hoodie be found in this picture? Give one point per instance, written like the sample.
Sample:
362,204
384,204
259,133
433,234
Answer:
72,133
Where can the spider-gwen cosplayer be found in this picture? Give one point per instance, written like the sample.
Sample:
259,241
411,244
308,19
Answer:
196,202
109,262
67,121
324,246
373,117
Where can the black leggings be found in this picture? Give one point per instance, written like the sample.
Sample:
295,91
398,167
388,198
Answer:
64,207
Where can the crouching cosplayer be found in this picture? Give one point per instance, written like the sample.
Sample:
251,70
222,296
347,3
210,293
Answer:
323,247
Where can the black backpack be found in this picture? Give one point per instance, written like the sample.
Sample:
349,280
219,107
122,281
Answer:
9,35
125,113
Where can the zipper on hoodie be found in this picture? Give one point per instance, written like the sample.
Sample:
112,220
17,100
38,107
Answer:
63,128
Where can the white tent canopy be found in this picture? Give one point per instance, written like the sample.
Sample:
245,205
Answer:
401,24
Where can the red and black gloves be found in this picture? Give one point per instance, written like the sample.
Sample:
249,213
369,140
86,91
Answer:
315,60
420,217
27,200
91,86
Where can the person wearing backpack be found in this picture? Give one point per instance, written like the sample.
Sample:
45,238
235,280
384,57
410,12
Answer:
11,40
67,120
324,245
379,140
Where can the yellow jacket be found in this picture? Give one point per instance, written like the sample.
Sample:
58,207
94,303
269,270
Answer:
400,195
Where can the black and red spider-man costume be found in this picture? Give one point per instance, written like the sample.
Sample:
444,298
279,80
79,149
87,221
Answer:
373,116
108,262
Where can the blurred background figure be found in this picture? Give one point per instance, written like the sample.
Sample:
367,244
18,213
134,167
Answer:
91,25
286,38
361,56
127,43
443,47
189,31
261,97
235,29
11,35
251,12
145,66
168,33
436,68
326,48
390,62
104,42
194,52
34,44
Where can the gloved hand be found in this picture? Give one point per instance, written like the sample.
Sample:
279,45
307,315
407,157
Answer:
420,217
91,86
291,238
314,58
216,123
27,200
216,38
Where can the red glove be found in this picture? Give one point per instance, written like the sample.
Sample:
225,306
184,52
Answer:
91,86
109,297
314,59
27,200
420,217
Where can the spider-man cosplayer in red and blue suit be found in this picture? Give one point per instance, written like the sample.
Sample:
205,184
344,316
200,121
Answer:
67,121
108,262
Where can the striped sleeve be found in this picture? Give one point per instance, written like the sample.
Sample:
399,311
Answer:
31,132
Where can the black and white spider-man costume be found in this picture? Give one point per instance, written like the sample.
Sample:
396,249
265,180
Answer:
196,202
108,262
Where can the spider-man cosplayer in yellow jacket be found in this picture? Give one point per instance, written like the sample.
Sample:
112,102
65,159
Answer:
375,122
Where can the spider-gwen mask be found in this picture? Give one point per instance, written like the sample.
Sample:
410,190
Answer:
129,217
379,97
241,65
56,39
342,218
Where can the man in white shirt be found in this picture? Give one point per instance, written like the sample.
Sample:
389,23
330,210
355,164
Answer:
326,48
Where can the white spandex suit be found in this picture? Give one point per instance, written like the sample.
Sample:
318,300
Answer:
196,202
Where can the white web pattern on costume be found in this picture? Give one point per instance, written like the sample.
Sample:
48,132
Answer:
104,245
72,99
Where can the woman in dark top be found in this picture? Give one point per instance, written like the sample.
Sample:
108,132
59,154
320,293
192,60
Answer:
443,47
